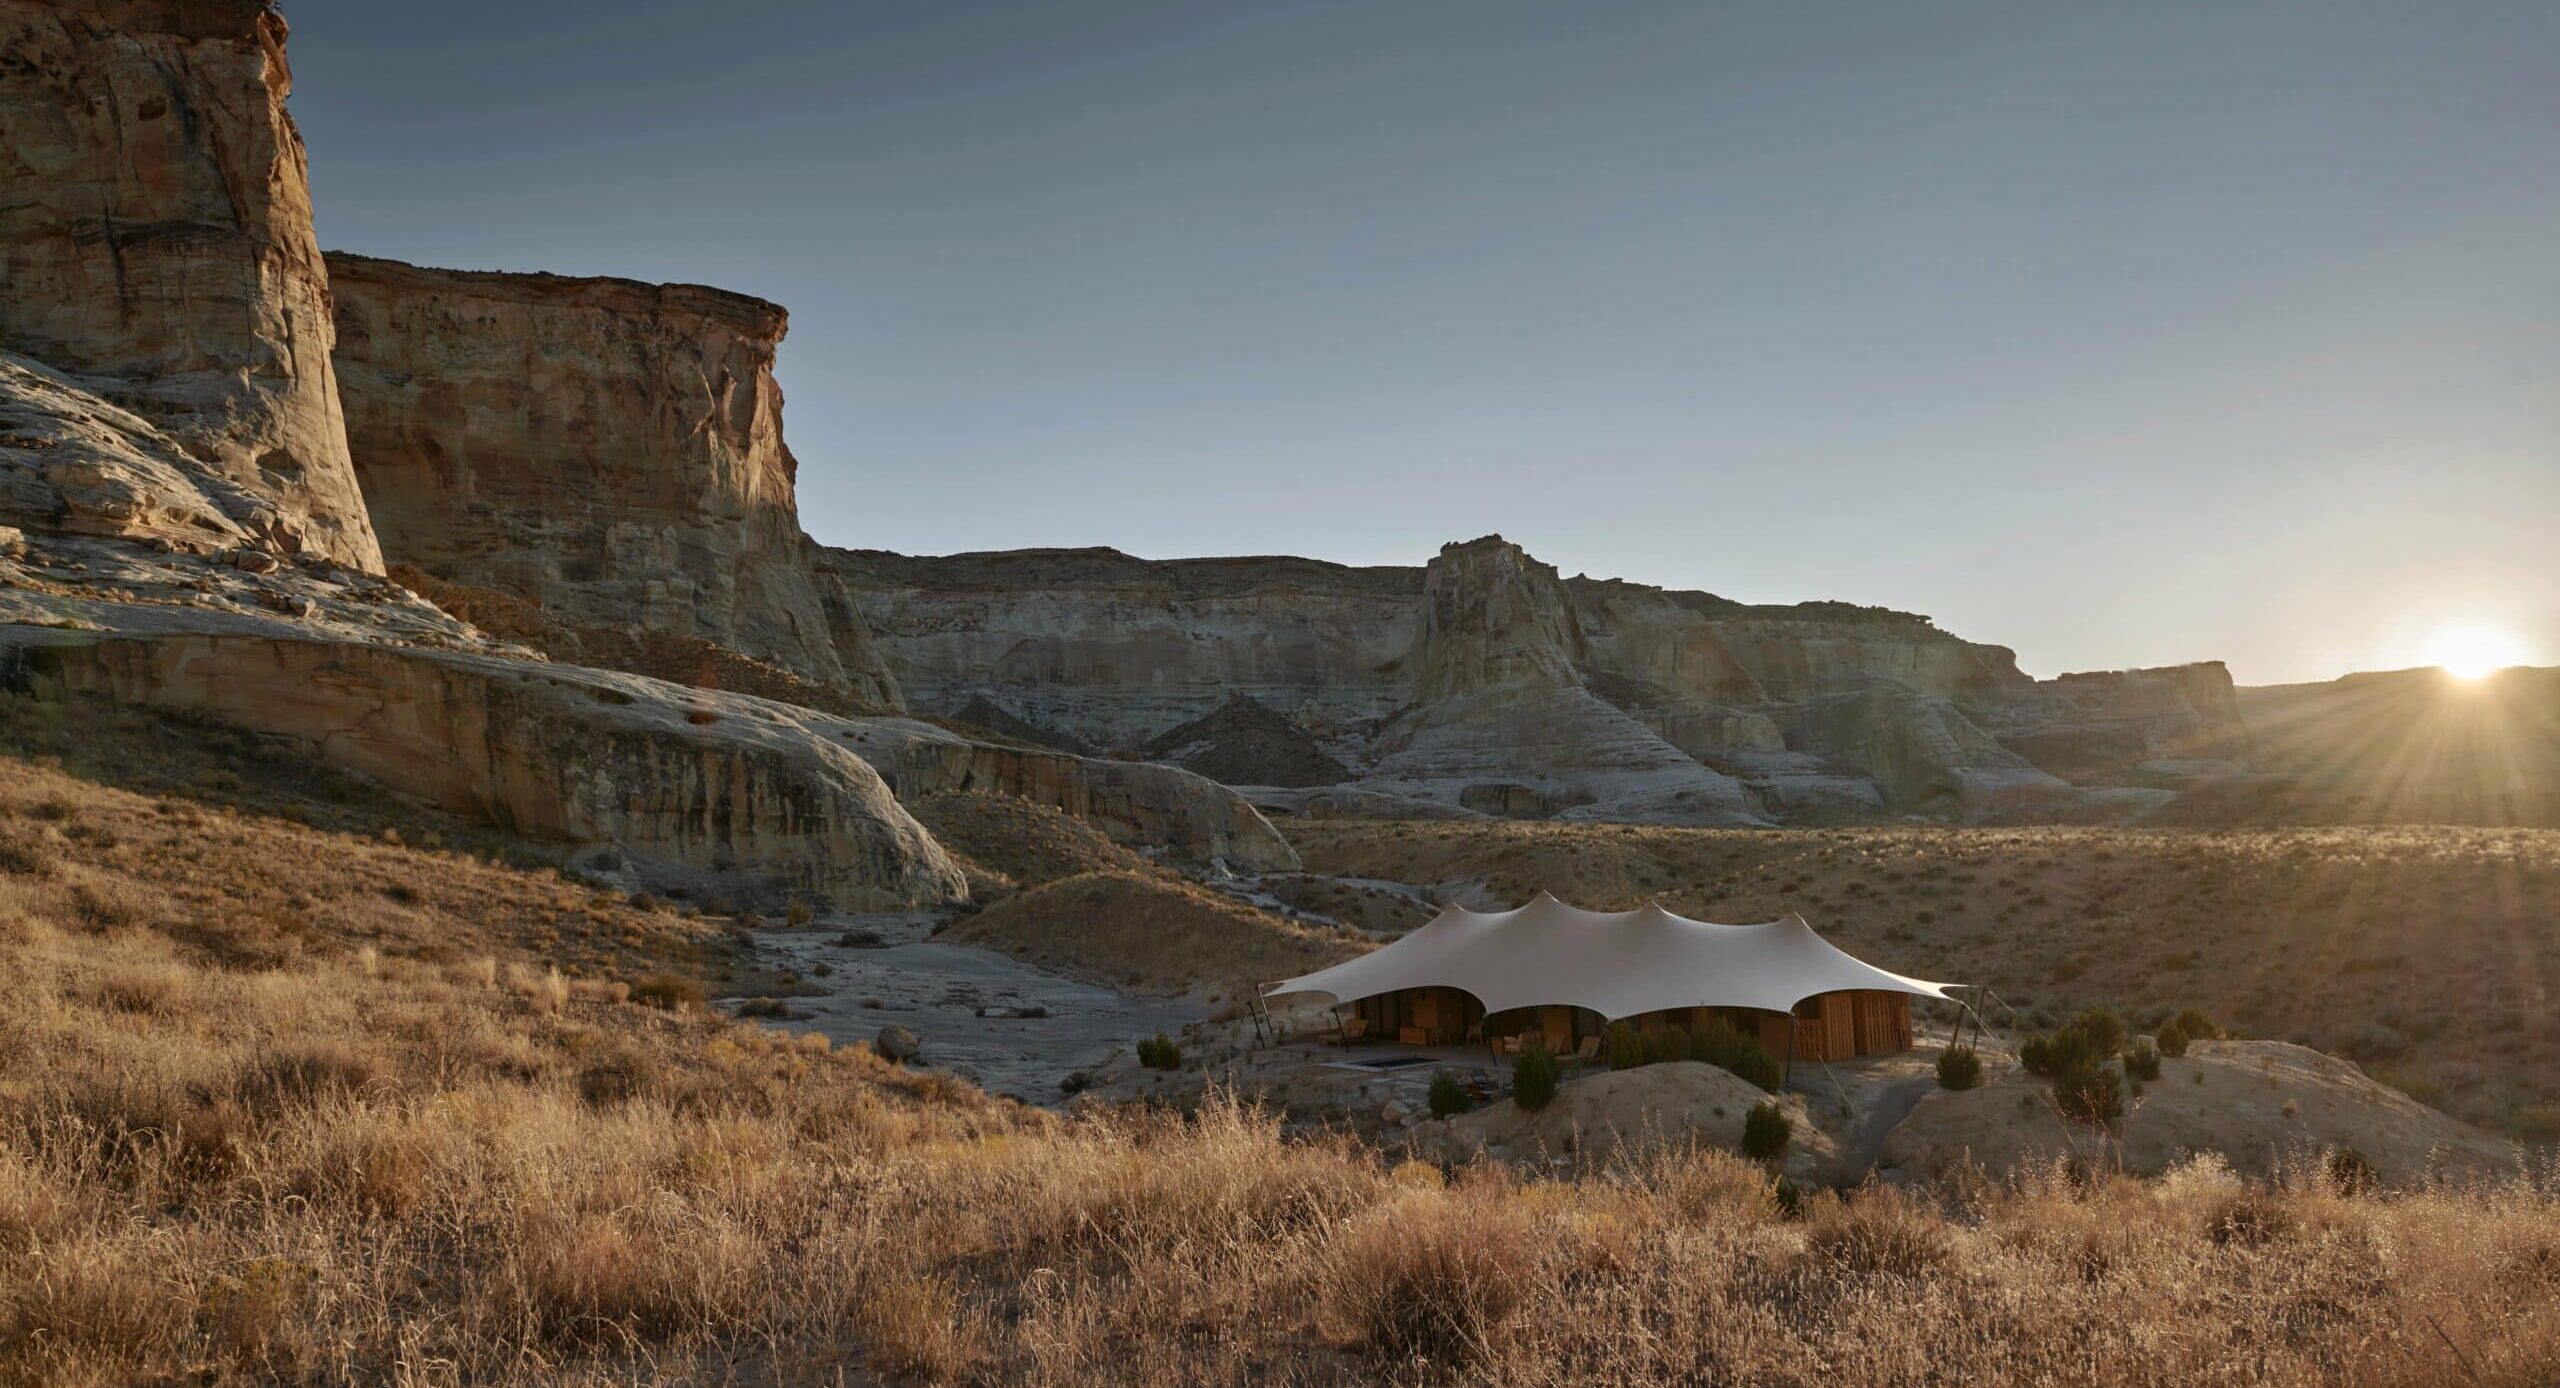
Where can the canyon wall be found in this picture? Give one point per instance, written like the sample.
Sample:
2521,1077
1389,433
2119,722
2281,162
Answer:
156,246
1485,680
607,449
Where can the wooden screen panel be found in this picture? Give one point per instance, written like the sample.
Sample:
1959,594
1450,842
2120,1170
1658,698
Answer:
1884,1021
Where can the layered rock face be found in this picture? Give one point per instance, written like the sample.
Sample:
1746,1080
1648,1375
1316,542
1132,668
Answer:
1485,681
1113,650
2179,719
680,783
686,782
1503,721
609,450
156,245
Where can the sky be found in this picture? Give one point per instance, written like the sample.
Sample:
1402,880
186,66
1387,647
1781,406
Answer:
2117,334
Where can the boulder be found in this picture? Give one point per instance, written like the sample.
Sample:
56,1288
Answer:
896,1044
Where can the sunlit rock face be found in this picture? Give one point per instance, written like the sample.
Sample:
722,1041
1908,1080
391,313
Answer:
1486,682
608,449
156,244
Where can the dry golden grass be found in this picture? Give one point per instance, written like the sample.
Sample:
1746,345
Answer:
388,1145
2425,954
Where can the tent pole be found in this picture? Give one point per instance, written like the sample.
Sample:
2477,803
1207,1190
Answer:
1787,1075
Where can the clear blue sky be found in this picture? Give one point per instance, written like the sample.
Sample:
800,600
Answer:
2121,334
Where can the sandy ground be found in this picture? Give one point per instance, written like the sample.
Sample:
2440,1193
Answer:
939,991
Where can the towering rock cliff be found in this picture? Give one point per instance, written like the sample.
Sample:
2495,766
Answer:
607,449
1503,720
156,245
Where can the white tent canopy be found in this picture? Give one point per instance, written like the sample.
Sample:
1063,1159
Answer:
1616,963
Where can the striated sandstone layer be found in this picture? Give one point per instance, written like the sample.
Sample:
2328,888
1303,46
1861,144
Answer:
607,449
156,246
1483,681
684,783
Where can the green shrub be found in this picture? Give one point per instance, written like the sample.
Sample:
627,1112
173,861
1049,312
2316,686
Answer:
2172,1039
2089,1093
1670,1043
1760,1067
1790,1198
1534,1076
1765,1130
2105,1030
2087,1042
1448,1096
2142,1062
1623,1047
1160,1052
1959,1068
2196,1025
1716,1042
1719,1042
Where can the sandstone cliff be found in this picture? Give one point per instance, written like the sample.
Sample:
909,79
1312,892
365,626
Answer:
610,450
672,783
1485,681
156,244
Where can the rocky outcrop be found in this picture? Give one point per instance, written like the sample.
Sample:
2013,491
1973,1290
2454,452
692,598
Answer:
610,450
1505,723
74,464
986,714
1483,680
156,247
1112,650
1137,803
1244,744
1920,752
2173,720
685,783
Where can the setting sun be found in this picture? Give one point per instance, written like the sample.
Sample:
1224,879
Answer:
2472,650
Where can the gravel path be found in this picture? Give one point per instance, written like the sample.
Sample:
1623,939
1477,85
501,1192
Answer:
940,991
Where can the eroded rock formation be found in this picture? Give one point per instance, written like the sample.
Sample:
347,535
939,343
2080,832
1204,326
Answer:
156,245
1484,681
674,783
1244,744
687,781
608,449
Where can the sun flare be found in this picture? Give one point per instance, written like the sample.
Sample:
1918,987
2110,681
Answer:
2474,649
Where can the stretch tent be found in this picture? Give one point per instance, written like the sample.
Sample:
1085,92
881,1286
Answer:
1615,963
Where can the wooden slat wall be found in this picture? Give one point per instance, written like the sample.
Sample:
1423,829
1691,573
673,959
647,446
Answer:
1839,1027
1884,1021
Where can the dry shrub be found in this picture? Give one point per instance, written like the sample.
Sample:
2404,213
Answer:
913,1325
29,852
254,1315
1877,1232
111,904
600,990
99,1297
308,1072
1432,1277
546,991
618,1076
671,992
144,989
2248,1218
